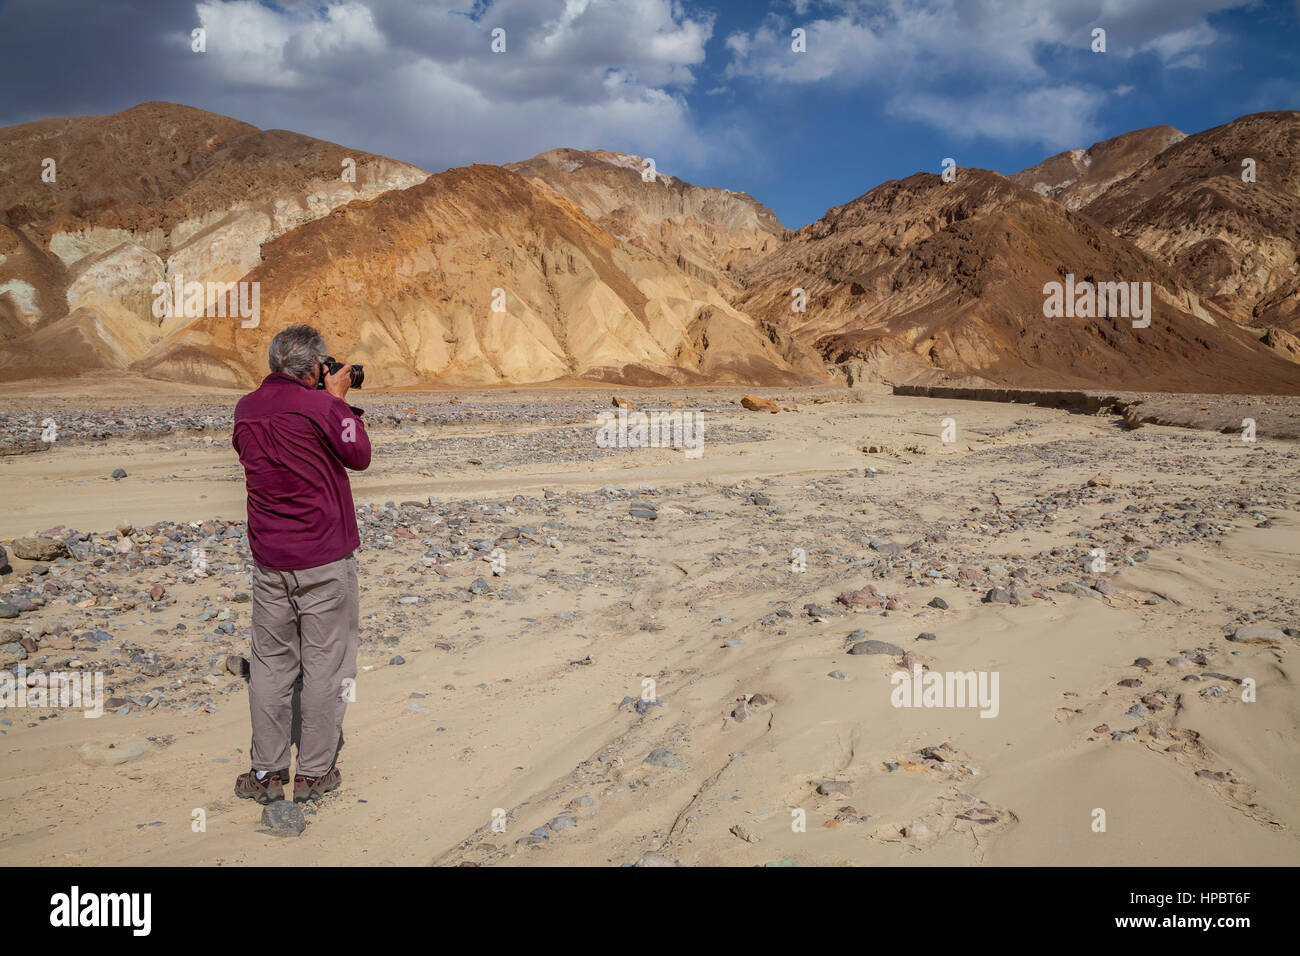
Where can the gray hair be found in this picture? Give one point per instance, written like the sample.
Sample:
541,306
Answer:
296,351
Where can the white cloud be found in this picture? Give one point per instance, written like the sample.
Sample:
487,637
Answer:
593,72
930,59
1057,117
1179,47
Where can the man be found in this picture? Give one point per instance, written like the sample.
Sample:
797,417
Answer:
295,444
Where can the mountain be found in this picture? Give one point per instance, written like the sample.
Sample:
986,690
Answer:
402,278
591,265
407,282
1078,176
922,281
707,232
150,194
1234,243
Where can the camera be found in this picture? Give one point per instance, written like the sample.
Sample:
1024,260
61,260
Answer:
329,367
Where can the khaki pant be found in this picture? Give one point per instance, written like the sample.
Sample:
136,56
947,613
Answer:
304,623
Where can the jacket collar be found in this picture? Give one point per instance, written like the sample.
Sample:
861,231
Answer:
284,378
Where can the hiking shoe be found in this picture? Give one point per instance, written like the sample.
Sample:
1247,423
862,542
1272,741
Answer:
313,788
267,790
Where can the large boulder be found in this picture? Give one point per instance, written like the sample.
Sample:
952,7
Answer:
756,404
39,549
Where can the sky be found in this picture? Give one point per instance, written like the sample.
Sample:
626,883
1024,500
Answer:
715,92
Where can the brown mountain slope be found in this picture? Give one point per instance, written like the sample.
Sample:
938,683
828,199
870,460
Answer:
407,283
146,195
923,281
1235,243
707,232
1078,176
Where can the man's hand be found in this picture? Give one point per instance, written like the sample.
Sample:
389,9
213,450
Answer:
339,383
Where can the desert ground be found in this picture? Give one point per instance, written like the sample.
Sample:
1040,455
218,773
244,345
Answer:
579,655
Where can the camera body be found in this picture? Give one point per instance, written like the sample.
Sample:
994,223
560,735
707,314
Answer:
329,367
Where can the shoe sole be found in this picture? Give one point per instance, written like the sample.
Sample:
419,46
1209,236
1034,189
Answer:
262,798
315,793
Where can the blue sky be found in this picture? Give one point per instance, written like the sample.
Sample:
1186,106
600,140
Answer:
712,91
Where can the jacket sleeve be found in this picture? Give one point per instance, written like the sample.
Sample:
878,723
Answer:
345,434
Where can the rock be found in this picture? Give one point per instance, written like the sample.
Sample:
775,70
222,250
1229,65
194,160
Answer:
12,654
1079,590
828,787
237,665
756,404
926,636
397,661
655,858
1132,418
623,403
562,822
741,712
838,675
662,757
648,512
1100,481
119,473
939,603
283,818
39,549
113,751
1265,634
918,831
4,561
943,753
997,596
876,647
863,597
1102,586
156,592
744,833
8,610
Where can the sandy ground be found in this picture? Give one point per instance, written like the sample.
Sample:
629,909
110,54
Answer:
491,711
